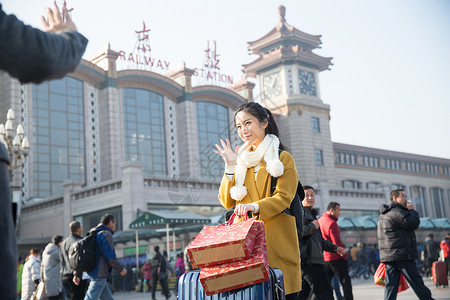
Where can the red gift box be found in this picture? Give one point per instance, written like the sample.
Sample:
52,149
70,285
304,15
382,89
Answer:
238,274
223,243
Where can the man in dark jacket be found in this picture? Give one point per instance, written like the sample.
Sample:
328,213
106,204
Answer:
75,292
398,247
430,252
314,273
159,268
106,260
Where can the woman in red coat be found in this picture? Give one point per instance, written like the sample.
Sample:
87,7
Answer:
147,271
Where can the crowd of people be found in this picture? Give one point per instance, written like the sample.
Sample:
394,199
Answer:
52,268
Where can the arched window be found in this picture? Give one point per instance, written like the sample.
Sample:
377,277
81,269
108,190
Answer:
212,125
58,135
144,138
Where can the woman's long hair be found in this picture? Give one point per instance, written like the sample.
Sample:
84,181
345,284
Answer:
262,114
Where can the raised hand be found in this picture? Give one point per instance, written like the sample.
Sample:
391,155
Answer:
228,155
56,21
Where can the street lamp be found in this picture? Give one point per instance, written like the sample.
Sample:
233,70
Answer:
17,145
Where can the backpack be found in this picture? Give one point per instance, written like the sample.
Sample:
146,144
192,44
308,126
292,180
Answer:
82,253
179,269
296,208
154,263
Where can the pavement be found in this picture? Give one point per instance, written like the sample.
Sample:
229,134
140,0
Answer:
362,290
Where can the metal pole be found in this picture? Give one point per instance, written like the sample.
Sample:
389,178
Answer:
137,251
167,240
173,239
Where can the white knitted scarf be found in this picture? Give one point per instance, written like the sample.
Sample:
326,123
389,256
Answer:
267,149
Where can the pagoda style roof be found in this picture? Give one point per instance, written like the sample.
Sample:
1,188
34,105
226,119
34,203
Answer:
285,43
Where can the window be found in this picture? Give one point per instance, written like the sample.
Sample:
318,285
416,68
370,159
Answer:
373,186
315,124
58,125
350,184
417,197
212,125
144,134
346,158
437,202
396,186
319,157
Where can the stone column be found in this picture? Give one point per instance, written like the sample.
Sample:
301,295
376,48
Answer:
132,192
69,187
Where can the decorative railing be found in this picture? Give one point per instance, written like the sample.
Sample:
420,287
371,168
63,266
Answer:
106,187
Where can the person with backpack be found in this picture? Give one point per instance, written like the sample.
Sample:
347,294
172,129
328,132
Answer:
74,292
159,267
246,186
106,260
146,272
179,269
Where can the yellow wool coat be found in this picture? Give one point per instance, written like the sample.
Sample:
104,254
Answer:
281,233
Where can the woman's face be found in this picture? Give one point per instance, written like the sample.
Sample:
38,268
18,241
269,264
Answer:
250,129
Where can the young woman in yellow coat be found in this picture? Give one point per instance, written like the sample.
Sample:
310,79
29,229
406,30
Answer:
246,186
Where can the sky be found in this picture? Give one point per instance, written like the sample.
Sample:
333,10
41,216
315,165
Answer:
388,87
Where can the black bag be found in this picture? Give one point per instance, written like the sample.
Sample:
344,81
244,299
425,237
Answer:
82,253
296,208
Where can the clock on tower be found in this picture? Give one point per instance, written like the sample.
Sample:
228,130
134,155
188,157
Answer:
307,82
272,85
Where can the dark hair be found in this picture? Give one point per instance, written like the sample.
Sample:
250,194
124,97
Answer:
395,193
156,248
431,235
74,226
106,218
332,206
262,114
57,239
308,187
35,251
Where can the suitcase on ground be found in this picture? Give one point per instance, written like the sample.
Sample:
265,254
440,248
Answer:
190,288
439,273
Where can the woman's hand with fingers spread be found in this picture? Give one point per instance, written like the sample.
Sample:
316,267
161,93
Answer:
227,153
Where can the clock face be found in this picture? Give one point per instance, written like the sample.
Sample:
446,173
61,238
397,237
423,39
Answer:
307,83
272,85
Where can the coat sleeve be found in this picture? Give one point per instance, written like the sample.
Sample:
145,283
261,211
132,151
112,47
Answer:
224,192
328,246
308,230
35,271
284,191
32,55
335,234
107,248
408,220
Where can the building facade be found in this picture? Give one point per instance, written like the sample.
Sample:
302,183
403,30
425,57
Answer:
128,141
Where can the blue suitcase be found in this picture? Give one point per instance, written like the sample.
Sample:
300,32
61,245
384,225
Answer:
190,288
